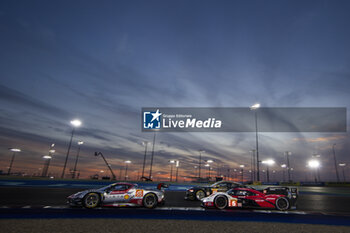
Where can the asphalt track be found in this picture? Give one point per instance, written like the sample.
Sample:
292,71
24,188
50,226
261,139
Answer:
327,206
311,200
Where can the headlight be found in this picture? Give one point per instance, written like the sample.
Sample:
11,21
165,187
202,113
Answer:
191,190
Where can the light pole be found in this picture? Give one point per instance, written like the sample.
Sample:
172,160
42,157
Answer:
342,165
199,164
14,150
255,107
283,166
150,170
287,154
177,169
144,159
48,160
253,164
76,159
209,161
208,166
268,163
171,169
75,123
314,164
242,167
335,163
126,168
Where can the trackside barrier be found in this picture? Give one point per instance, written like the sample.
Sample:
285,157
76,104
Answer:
338,184
312,183
290,183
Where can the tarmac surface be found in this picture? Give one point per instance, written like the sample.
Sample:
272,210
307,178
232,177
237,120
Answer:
145,226
41,209
311,199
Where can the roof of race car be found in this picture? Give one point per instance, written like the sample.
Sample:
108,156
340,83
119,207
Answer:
119,183
224,181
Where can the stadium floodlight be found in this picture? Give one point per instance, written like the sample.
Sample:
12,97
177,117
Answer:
314,163
76,123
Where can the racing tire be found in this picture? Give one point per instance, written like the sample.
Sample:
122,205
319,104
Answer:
91,200
220,202
282,203
200,194
150,201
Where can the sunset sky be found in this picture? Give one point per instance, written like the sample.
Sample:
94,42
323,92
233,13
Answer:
102,61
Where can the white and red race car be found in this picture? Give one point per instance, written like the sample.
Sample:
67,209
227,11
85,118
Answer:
119,195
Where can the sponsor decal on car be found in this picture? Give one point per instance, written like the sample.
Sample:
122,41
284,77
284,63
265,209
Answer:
215,190
139,193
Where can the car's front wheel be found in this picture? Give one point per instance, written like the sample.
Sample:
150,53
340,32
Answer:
282,203
91,200
150,200
220,202
200,194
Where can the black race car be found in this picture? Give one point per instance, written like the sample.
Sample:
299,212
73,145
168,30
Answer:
197,193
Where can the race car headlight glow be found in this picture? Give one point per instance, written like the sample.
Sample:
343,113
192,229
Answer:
191,190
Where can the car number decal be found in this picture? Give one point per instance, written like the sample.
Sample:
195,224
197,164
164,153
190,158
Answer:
139,193
233,203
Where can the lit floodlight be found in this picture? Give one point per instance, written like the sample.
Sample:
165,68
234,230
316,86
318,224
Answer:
15,150
76,123
268,162
314,163
171,161
283,165
210,161
47,157
342,164
255,106
207,165
80,143
127,161
241,165
52,151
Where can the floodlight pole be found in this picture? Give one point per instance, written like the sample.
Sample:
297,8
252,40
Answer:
257,145
335,163
144,160
150,170
69,146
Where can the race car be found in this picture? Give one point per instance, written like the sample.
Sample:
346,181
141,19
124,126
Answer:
119,195
197,193
281,198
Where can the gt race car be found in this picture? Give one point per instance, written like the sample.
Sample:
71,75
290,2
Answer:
119,195
281,198
199,192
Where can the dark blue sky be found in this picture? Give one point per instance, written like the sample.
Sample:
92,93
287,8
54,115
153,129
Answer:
101,61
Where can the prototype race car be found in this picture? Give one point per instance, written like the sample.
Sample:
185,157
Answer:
281,198
197,193
119,195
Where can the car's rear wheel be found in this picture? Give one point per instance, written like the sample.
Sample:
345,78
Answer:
220,202
150,200
91,200
282,203
200,194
